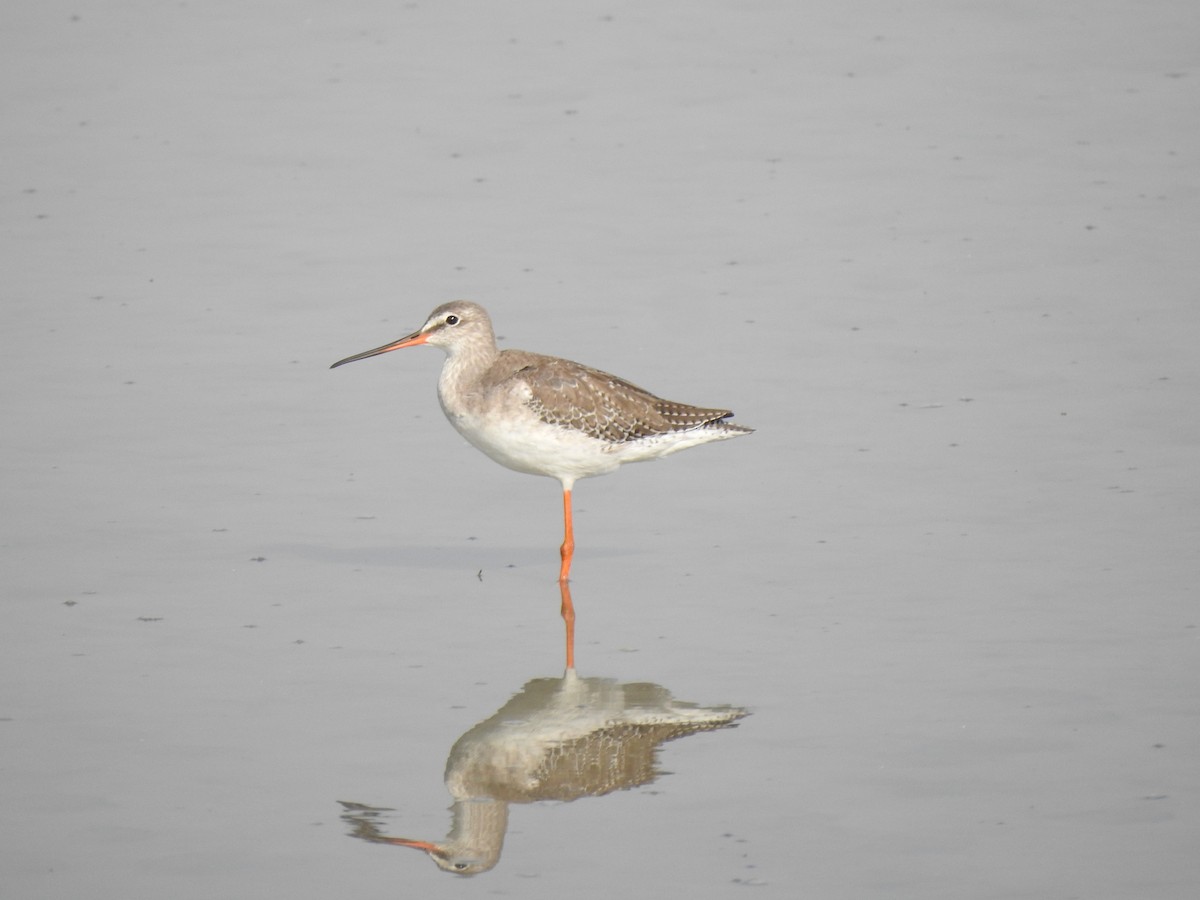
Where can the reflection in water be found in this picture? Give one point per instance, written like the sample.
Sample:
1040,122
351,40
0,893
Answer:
558,739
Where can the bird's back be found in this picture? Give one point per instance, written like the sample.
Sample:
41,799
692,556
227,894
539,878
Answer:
598,404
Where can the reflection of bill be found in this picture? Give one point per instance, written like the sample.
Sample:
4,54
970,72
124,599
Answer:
558,739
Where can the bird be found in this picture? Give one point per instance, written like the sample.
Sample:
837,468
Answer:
545,415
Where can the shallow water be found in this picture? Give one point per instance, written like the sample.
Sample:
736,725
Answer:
941,258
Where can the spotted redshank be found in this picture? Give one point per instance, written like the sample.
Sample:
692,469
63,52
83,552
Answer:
549,416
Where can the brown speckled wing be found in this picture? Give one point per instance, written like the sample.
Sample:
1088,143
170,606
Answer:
604,406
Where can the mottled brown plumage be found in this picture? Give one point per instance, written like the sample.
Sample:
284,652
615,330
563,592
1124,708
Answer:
602,406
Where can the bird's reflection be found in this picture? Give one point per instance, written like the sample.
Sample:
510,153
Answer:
557,739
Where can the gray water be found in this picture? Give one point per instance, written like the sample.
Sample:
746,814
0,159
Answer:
941,256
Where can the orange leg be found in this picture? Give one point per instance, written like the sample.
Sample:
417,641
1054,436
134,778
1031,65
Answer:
568,546
568,614
568,551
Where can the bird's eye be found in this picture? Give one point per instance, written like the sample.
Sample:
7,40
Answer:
460,866
451,320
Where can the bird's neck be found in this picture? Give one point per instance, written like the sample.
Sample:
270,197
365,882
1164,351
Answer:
462,373
478,828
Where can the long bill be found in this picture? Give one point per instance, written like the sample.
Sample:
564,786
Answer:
413,340
427,846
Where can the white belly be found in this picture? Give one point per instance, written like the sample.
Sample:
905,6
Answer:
526,444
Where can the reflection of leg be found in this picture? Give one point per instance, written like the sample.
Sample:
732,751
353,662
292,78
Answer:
568,614
568,545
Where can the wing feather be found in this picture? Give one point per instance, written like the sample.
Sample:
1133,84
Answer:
603,406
